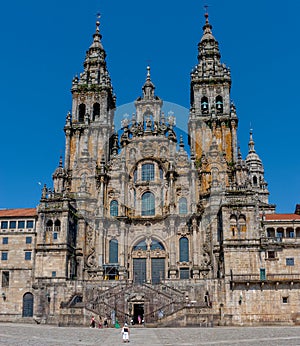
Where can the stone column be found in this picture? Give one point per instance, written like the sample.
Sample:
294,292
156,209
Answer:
67,150
234,140
172,249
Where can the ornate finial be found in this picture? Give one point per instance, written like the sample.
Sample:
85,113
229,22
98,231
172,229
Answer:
148,72
206,13
251,132
60,161
98,22
251,142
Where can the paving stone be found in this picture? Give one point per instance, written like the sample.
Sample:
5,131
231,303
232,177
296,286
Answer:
45,335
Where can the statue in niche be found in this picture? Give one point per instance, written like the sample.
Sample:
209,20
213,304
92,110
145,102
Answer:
83,183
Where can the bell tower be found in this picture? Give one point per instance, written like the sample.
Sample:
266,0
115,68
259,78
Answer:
212,115
89,126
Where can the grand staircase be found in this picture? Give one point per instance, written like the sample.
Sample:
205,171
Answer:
161,303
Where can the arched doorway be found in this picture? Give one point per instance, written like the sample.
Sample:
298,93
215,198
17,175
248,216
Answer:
148,257
27,305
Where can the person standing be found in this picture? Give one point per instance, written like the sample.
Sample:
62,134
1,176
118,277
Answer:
93,322
125,333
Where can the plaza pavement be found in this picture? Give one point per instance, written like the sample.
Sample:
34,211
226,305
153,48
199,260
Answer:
43,335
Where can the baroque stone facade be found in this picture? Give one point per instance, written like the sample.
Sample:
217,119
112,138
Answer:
139,222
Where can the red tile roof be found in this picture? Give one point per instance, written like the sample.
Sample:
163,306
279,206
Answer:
24,212
282,217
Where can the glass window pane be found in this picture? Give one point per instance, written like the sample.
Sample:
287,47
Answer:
148,204
12,224
114,208
182,206
140,246
21,224
156,245
29,224
4,224
28,255
183,249
28,240
5,240
4,255
113,251
148,172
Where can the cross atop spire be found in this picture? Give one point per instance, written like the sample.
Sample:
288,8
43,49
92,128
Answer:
206,13
97,36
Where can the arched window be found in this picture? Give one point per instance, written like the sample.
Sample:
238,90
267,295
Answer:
204,104
156,245
96,110
255,181
27,305
233,224
148,204
49,226
113,251
242,223
270,232
140,246
219,104
148,172
81,113
183,249
182,206
114,208
57,226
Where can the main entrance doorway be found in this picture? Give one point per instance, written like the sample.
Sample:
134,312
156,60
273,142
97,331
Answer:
150,269
138,313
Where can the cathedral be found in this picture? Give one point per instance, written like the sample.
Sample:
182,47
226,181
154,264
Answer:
149,223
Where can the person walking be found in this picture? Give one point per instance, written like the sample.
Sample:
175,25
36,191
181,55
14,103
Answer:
125,333
93,322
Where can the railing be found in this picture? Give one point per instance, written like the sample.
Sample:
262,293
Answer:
268,278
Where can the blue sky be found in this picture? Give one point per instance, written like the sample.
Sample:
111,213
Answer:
43,45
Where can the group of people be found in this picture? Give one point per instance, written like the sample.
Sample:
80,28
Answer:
93,323
124,331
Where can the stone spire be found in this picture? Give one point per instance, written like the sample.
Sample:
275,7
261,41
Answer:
95,69
208,46
59,177
148,87
149,104
256,170
252,155
209,64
